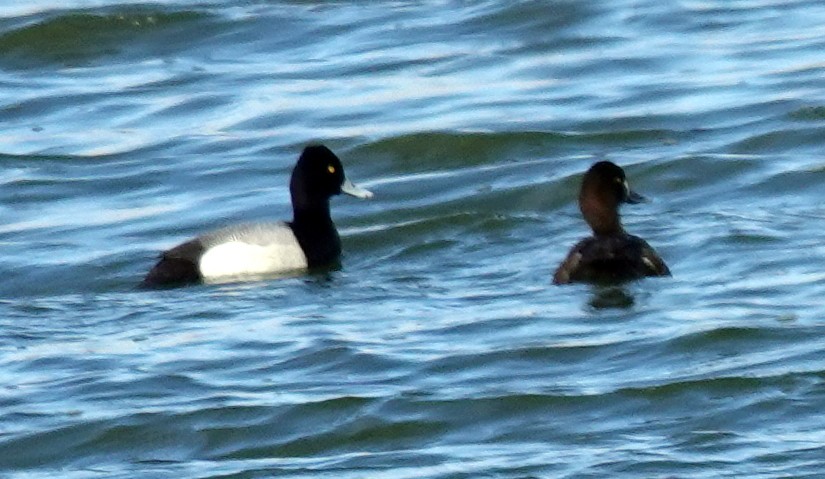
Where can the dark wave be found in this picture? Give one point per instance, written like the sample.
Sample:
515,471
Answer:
76,38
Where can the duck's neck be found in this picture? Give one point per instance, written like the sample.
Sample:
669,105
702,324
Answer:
316,234
603,217
314,217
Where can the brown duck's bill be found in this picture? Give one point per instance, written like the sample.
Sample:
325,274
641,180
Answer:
634,198
631,196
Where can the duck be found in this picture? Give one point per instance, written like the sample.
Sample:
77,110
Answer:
611,254
307,242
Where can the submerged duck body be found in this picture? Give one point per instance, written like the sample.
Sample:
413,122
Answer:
309,241
611,254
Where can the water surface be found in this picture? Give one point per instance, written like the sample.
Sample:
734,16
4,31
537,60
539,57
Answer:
439,349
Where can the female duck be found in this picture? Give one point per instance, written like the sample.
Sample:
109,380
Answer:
310,240
611,254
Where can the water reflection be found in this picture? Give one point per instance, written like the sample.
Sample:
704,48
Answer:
614,296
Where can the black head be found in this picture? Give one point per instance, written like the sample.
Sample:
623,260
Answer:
603,189
317,176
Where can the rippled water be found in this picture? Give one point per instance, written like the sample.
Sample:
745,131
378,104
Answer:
439,349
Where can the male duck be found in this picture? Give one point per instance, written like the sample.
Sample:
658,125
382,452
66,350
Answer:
310,240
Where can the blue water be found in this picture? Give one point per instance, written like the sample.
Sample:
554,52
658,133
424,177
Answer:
439,348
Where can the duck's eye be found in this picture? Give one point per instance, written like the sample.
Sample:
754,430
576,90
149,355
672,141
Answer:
331,169
618,180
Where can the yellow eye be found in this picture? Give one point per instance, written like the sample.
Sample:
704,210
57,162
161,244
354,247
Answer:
331,169
618,180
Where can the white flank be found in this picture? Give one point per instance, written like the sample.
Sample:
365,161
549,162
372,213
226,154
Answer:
236,258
